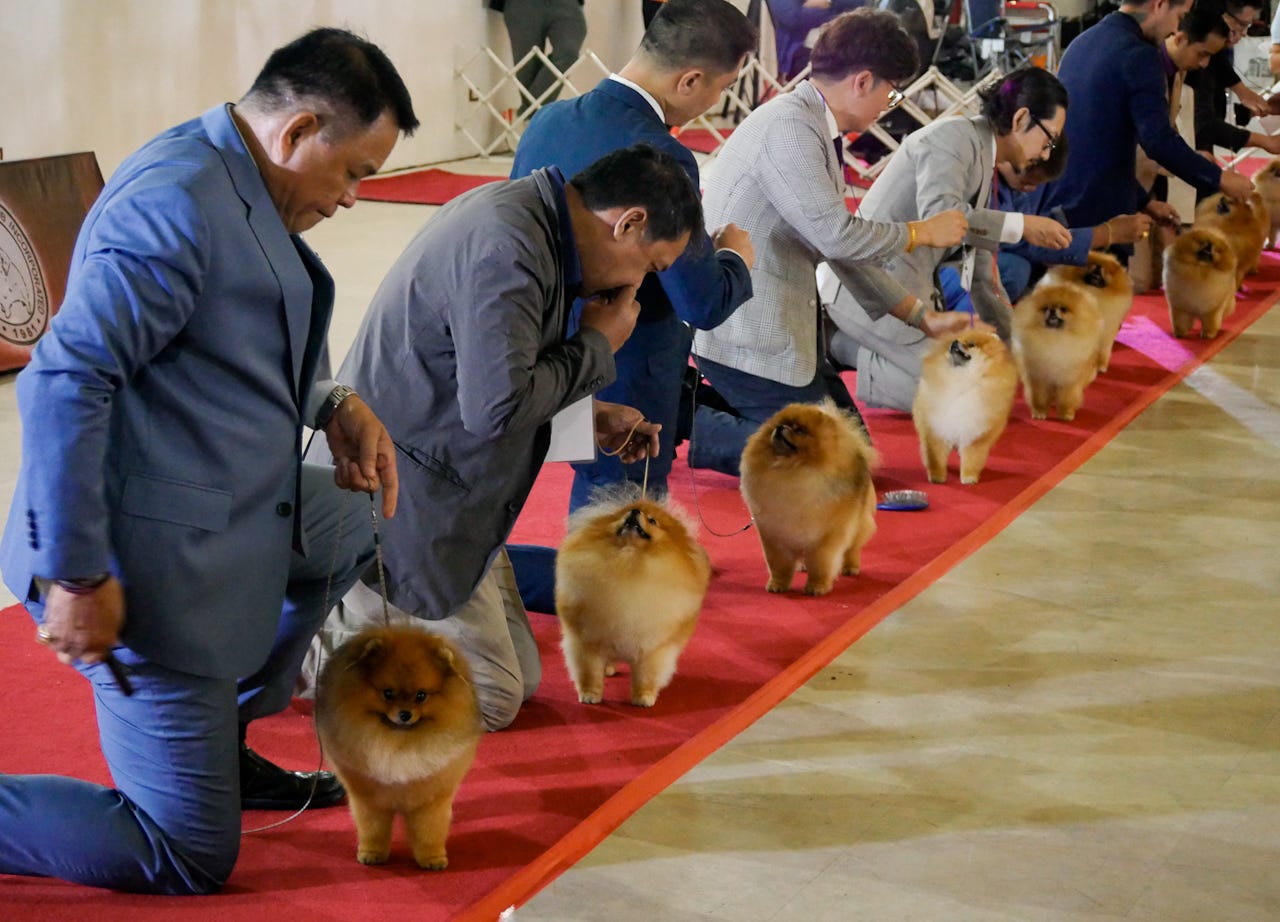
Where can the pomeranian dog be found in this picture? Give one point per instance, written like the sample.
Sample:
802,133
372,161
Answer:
399,722
1238,222
806,477
1199,281
1055,335
1267,182
963,400
630,579
1112,290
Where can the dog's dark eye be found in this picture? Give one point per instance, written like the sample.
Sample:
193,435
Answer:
420,697
652,520
388,693
799,430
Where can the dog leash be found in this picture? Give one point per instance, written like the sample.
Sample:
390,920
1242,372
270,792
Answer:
328,590
644,484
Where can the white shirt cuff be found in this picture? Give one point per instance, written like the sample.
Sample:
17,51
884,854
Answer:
1011,230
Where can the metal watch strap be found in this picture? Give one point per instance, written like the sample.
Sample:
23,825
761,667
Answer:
331,403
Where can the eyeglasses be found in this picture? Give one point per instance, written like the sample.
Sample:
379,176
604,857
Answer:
1237,25
1049,135
895,97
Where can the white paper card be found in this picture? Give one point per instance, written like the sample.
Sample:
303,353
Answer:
573,433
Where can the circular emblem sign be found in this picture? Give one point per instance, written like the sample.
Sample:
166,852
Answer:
24,301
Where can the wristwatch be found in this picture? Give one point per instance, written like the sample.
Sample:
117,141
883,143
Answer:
330,406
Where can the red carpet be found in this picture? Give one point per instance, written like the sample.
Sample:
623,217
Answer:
421,187
547,790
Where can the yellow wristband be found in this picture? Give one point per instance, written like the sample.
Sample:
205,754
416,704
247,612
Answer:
911,236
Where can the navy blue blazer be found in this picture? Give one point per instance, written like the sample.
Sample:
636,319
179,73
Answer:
702,287
1118,100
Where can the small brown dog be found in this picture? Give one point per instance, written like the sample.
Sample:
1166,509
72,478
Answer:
1267,182
399,722
1112,289
1056,331
1199,281
806,477
963,399
630,580
1238,222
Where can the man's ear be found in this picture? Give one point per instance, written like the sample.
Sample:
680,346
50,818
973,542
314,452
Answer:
291,134
862,82
687,83
1021,120
632,221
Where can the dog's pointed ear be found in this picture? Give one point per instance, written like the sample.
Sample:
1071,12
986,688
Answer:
445,656
371,649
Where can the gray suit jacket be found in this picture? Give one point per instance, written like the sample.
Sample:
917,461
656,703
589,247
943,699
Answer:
464,357
163,410
945,165
778,178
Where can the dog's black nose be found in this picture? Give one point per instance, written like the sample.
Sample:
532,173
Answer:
405,716
633,517
958,354
1052,318
1205,253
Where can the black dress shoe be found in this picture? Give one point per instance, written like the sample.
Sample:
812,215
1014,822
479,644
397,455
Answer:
266,786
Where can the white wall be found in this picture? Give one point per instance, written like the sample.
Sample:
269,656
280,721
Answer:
106,75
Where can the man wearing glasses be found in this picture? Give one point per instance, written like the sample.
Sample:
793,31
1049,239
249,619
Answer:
1119,100
1214,84
951,164
780,178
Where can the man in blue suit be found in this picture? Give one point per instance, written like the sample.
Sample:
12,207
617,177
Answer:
164,533
1119,100
691,51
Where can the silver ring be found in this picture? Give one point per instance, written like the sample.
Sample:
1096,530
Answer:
44,637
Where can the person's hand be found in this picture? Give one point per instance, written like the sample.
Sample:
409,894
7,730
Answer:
1236,185
1163,213
732,237
1129,228
364,458
1252,100
1040,231
940,324
83,625
612,313
945,229
623,431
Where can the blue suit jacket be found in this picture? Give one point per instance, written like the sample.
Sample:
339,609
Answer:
702,287
1034,203
1118,100
163,409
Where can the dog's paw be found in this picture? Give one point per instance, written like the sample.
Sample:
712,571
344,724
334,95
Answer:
775,585
432,862
817,588
611,669
369,856
590,697
645,699
850,571
969,481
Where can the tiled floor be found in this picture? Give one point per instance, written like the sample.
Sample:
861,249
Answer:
1079,722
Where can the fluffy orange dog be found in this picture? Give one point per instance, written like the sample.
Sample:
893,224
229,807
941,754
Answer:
398,720
1056,330
963,401
1112,290
630,579
1199,281
806,477
1239,222
1267,182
